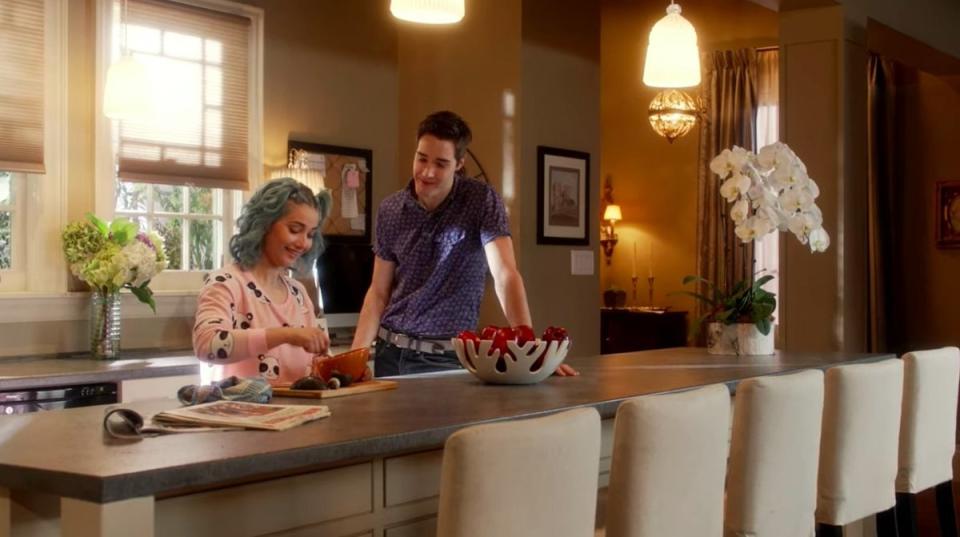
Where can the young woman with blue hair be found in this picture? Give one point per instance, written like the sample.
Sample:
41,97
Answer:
253,319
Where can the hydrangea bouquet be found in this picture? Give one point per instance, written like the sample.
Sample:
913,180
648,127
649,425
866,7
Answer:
113,255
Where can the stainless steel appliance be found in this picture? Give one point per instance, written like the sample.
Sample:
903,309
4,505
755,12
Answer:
56,398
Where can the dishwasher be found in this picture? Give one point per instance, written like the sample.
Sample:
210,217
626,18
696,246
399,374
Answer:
57,397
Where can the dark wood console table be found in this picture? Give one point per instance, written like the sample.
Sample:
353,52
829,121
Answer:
628,329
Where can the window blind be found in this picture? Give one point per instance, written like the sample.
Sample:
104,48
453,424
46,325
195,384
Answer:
21,86
197,60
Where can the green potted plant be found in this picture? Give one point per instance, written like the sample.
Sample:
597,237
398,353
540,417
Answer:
738,322
614,297
768,191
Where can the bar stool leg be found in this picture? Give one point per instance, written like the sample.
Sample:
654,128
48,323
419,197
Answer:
945,509
829,530
907,514
887,523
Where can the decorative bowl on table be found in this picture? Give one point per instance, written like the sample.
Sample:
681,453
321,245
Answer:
526,363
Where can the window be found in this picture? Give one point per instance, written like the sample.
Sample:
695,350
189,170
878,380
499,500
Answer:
179,172
766,253
31,120
190,220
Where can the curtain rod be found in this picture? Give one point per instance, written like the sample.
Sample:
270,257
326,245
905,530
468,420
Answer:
765,49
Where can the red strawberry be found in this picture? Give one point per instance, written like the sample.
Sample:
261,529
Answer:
468,338
488,332
524,334
555,333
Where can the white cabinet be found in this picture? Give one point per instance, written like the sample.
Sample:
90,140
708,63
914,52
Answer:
154,388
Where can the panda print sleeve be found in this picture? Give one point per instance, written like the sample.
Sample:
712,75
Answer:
223,333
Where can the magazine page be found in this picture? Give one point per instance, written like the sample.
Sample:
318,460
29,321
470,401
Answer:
243,414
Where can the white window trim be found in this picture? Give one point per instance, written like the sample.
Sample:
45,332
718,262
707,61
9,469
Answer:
104,150
52,307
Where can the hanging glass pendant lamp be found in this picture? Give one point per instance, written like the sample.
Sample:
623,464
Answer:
673,58
428,11
127,94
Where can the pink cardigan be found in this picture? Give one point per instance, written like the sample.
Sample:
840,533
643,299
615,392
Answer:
232,315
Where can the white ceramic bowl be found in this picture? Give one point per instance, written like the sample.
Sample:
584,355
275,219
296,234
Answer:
481,360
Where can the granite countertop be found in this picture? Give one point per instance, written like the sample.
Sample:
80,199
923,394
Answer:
66,453
43,372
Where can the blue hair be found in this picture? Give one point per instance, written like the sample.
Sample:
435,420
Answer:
266,206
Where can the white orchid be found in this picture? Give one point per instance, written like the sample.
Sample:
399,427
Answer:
819,240
740,210
768,191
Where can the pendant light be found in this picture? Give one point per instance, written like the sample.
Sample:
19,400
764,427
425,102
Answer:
672,61
127,92
428,11
673,58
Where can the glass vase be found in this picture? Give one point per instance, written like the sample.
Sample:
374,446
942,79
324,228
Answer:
105,324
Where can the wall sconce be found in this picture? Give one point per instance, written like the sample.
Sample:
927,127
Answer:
608,235
300,167
611,215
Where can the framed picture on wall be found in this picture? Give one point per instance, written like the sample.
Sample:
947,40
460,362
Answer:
348,175
563,196
948,214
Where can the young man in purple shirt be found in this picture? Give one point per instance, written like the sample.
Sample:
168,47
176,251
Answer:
435,240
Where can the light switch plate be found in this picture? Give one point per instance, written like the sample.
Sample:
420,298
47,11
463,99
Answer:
581,262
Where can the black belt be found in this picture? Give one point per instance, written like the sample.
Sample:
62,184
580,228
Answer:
403,341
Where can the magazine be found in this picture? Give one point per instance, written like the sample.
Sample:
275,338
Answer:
125,423
242,414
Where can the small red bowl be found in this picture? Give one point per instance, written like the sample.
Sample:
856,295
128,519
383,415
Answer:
353,363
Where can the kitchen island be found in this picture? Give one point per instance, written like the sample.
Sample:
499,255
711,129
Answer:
372,468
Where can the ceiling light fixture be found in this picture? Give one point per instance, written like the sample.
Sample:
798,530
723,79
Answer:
428,11
672,61
127,94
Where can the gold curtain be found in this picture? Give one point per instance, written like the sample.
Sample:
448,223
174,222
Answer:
884,122
729,94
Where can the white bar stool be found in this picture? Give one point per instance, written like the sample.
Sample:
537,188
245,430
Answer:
928,436
772,478
858,451
669,463
531,478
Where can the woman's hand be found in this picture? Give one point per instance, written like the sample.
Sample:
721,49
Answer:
312,339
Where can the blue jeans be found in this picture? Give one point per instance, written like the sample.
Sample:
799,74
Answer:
390,360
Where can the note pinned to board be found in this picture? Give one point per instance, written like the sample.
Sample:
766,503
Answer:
581,262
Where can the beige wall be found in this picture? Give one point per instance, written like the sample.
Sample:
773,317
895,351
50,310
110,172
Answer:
560,108
655,182
931,284
330,76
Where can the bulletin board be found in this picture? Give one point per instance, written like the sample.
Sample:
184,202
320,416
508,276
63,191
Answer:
348,175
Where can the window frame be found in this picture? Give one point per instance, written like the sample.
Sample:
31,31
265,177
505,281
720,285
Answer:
105,147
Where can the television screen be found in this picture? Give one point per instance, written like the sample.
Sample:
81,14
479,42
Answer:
343,275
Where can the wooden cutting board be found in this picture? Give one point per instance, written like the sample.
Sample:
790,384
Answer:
360,387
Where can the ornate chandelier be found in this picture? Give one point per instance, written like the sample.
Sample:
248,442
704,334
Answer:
672,114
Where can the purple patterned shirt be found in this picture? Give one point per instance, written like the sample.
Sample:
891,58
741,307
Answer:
440,262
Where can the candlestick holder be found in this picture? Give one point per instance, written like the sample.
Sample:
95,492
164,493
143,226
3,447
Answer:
634,279
650,290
